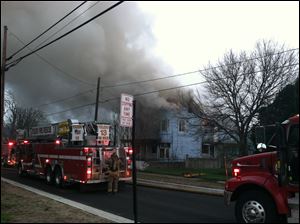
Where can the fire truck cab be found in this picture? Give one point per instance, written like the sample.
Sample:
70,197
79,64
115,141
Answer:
263,183
69,152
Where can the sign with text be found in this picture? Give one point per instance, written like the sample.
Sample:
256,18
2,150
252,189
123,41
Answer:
40,131
77,132
103,134
126,110
20,133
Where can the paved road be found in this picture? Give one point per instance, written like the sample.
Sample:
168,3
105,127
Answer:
154,205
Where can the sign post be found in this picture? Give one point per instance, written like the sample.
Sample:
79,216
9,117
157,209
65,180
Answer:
127,119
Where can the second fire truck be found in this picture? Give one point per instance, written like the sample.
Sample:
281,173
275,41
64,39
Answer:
263,184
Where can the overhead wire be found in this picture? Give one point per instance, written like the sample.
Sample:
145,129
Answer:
62,36
166,77
75,18
10,57
122,84
52,65
151,92
201,70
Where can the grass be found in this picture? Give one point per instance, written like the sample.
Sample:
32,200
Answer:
5,217
204,174
21,206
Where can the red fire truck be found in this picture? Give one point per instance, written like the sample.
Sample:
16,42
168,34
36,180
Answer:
69,152
263,183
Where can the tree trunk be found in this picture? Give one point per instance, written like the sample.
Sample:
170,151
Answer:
243,146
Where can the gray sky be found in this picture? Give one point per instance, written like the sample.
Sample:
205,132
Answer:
133,42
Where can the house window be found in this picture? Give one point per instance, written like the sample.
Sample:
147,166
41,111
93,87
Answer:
212,151
164,153
182,126
154,148
161,153
164,125
205,148
208,150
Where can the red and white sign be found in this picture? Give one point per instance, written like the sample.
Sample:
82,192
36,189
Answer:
126,110
103,134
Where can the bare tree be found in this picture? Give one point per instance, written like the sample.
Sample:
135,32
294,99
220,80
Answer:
20,118
9,103
237,88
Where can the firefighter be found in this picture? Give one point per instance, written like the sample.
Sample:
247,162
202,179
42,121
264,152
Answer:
113,173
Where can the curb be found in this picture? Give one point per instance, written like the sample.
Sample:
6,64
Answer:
86,208
180,187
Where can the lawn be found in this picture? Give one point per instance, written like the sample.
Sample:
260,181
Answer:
5,218
205,174
22,206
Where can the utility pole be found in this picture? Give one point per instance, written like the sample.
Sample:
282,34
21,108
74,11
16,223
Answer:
97,99
134,163
2,85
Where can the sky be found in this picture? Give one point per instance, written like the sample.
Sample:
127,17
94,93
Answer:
133,42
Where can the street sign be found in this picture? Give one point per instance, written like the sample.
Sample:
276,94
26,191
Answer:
126,110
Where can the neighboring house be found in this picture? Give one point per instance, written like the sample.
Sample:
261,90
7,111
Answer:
178,140
217,144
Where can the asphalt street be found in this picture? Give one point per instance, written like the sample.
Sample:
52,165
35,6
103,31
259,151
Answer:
153,205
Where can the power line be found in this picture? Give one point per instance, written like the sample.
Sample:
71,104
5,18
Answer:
46,31
65,99
75,18
73,108
113,86
183,86
151,92
171,76
201,70
52,65
76,28
187,73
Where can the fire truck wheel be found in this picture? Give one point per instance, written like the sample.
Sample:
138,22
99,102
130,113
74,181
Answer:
49,176
58,178
257,207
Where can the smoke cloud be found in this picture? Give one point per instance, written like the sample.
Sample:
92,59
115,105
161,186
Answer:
118,47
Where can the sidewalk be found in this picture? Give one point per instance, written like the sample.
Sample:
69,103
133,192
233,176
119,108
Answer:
194,185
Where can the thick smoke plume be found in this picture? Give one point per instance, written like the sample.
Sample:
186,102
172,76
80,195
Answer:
118,47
